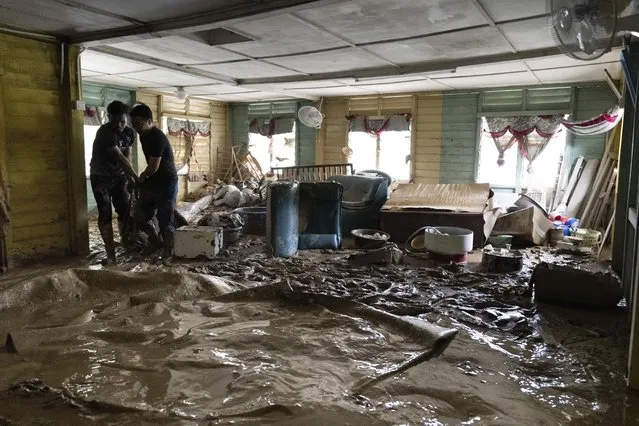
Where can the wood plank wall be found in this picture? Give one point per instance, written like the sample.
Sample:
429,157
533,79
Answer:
36,148
427,123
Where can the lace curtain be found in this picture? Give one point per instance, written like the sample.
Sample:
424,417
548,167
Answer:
531,134
374,127
601,123
271,126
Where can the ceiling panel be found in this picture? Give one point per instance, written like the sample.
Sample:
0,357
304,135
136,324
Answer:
53,17
281,35
333,61
119,80
87,73
364,21
247,69
497,80
406,86
108,64
179,50
506,10
594,72
558,61
469,43
161,9
307,84
169,78
530,34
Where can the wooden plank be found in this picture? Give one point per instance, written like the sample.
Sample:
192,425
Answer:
33,232
38,163
33,96
28,81
5,196
582,188
25,111
30,66
41,247
42,217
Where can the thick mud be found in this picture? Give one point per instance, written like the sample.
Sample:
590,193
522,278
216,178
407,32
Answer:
204,343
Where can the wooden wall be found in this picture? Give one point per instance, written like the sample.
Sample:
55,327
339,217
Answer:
37,150
427,126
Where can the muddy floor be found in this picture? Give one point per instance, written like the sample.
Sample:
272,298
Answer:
142,343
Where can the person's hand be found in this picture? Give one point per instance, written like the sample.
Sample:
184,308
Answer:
142,178
132,179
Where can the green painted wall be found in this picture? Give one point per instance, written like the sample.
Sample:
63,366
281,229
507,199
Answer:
305,140
459,138
239,125
100,95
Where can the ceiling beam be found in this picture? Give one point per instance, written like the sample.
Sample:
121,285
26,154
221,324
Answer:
199,21
415,68
119,53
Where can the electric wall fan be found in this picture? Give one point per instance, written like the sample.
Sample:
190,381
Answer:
311,116
586,29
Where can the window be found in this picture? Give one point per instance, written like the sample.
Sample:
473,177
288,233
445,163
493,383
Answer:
514,175
389,153
278,151
89,137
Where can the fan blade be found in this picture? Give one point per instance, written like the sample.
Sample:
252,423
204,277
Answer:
586,38
563,17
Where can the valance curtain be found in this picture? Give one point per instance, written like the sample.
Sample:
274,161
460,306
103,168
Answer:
271,126
601,123
374,127
529,132
178,127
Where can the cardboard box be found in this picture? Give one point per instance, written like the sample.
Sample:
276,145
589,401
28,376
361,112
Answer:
413,206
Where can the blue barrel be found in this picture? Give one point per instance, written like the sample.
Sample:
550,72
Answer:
282,221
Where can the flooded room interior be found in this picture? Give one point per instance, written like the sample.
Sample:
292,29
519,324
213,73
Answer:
319,212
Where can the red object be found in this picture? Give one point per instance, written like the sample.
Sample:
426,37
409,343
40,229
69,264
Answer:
448,258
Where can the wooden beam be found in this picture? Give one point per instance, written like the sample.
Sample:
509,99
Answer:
71,87
5,229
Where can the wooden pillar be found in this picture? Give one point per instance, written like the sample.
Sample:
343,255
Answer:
72,91
5,230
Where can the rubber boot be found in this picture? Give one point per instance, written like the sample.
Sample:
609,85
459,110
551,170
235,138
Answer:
106,231
168,250
155,242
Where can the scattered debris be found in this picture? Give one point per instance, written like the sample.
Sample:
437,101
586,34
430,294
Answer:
389,254
576,287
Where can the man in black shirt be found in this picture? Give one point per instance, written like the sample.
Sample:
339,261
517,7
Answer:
110,165
159,179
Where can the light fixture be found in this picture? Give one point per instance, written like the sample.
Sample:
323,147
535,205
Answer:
180,93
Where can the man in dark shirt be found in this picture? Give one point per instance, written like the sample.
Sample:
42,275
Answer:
159,179
110,165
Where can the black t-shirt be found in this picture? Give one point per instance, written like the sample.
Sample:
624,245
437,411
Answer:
103,163
156,144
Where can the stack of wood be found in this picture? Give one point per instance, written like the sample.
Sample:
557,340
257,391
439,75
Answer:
599,210
242,166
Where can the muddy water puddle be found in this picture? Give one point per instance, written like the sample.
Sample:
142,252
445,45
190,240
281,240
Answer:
164,346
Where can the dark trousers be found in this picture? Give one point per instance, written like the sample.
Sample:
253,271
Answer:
109,190
159,198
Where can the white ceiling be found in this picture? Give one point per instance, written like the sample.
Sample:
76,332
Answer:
310,48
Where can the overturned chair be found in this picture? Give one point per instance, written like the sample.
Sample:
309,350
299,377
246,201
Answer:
363,198
303,216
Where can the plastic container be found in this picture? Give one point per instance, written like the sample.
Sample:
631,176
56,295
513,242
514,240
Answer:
254,220
282,219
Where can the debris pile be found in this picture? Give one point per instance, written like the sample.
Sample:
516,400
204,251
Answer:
226,220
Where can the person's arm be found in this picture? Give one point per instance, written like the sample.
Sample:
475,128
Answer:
124,160
151,168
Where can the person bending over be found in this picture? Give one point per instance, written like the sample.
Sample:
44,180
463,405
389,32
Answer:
159,180
110,169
